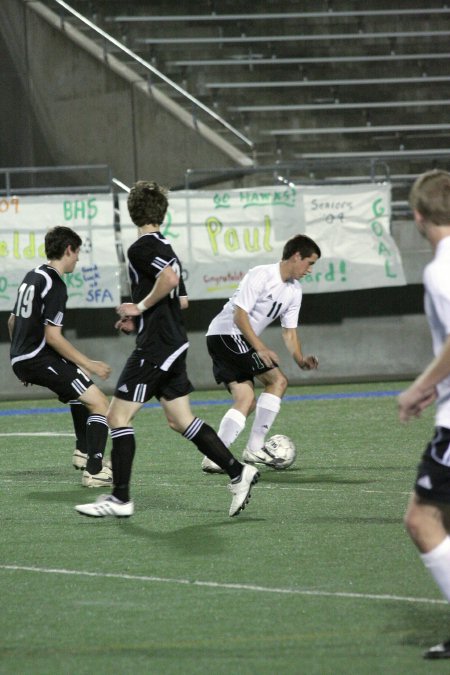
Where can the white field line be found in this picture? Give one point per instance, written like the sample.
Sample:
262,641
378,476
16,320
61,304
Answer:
226,586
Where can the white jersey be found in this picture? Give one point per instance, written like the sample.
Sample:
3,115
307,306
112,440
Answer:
265,297
436,280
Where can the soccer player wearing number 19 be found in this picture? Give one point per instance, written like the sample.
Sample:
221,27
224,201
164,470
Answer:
41,355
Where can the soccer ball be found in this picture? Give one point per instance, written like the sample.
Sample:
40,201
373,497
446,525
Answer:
281,451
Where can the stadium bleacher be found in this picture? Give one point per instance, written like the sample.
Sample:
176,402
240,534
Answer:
302,77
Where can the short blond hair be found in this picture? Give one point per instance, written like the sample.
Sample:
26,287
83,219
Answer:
430,196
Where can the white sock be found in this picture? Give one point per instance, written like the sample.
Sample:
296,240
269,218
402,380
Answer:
438,562
267,408
231,425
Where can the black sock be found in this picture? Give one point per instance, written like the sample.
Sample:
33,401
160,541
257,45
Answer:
209,444
80,416
96,437
122,454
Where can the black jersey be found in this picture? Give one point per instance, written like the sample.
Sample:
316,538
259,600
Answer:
161,333
41,300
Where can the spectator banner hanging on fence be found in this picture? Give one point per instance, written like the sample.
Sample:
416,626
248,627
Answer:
219,235
23,224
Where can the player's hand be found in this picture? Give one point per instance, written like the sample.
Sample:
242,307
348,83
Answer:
100,368
125,325
411,402
309,363
268,357
127,309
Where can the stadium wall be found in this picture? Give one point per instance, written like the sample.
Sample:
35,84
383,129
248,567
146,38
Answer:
84,107
369,349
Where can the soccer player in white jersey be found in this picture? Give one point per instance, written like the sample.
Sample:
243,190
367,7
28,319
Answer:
157,365
266,293
427,517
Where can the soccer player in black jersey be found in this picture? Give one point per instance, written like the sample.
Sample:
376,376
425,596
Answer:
157,366
40,354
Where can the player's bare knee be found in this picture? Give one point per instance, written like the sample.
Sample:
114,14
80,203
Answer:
116,420
280,384
414,523
409,523
111,419
96,401
102,404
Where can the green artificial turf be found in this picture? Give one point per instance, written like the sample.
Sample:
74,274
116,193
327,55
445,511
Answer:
316,576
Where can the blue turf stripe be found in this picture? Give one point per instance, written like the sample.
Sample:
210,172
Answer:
301,397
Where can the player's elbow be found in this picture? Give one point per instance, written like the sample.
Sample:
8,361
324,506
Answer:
10,323
170,278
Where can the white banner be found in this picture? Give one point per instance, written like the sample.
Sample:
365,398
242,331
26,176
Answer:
23,224
219,235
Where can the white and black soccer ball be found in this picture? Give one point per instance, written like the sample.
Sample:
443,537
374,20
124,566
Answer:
281,450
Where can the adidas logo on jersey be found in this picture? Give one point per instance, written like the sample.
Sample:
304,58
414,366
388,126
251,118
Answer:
123,388
425,482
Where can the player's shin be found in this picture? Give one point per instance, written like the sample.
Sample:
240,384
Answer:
209,444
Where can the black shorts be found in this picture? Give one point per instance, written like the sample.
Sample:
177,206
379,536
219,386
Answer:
433,478
63,377
234,360
140,380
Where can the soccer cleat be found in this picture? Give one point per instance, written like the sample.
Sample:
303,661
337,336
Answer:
241,489
101,479
262,456
79,459
440,651
208,466
106,505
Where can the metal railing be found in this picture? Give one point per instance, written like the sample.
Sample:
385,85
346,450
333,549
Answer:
35,180
154,71
288,16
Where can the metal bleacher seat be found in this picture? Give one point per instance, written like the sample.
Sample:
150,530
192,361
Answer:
371,79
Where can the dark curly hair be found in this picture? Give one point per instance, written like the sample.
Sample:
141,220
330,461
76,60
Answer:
302,244
58,239
147,203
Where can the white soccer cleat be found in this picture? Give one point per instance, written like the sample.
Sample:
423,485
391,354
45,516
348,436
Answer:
79,460
101,479
241,489
106,505
262,456
208,466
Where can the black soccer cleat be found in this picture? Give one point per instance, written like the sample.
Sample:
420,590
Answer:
440,651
